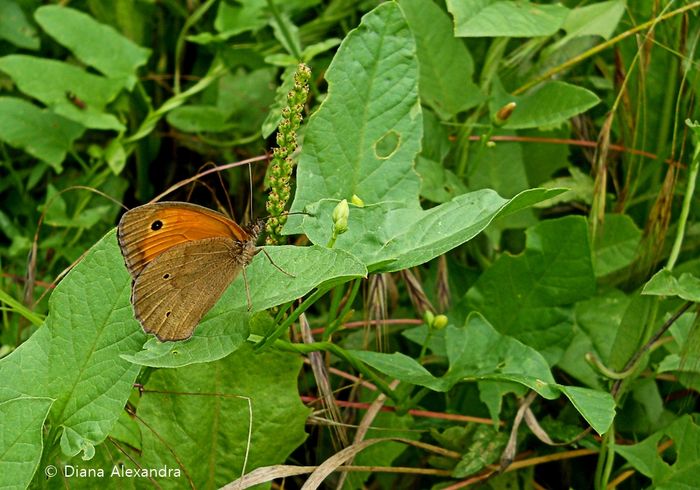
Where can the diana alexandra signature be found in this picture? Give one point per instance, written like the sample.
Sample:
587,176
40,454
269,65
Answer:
120,471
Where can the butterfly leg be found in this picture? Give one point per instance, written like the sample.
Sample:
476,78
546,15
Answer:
273,263
247,290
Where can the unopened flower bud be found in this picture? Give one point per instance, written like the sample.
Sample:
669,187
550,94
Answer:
440,322
504,113
340,217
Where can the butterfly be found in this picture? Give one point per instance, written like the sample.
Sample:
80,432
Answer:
181,258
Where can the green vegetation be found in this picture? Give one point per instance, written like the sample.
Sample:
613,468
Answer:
488,273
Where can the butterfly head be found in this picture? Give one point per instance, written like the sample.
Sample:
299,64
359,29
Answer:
255,229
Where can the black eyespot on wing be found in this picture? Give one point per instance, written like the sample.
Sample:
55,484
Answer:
166,276
156,225
167,314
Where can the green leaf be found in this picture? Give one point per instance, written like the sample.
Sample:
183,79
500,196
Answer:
91,324
59,83
424,335
526,296
438,184
446,67
391,236
573,362
234,18
286,33
436,143
199,411
199,119
127,430
57,214
487,445
25,372
95,44
21,439
596,315
475,352
599,19
684,471
686,287
73,443
580,187
689,362
494,18
549,105
479,352
629,335
21,122
246,97
403,368
616,247
14,27
500,168
597,407
16,306
74,357
313,50
372,97
216,337
542,159
225,328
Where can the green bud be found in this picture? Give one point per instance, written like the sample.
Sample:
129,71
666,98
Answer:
428,318
340,217
503,114
440,322
357,201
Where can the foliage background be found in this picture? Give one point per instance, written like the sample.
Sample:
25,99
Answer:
558,240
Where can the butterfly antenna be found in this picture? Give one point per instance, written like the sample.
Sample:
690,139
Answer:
226,193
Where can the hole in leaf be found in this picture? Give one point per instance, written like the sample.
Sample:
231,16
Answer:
387,145
667,450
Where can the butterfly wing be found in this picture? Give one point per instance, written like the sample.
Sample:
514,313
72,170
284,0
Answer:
147,231
175,290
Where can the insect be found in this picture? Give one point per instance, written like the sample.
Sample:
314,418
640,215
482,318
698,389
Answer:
181,257
75,100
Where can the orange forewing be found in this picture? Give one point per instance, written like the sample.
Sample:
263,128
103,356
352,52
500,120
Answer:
148,231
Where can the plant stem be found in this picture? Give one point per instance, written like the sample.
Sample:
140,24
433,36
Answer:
180,43
413,401
685,210
292,318
332,327
641,351
605,460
